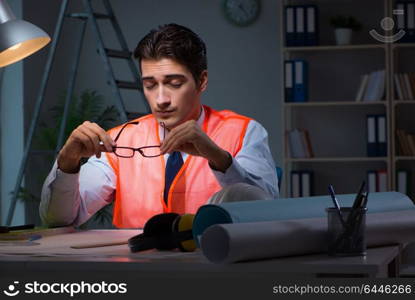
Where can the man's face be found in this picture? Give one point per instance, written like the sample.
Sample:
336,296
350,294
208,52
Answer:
171,91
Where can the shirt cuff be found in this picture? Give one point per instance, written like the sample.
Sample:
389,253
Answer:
64,181
54,208
234,174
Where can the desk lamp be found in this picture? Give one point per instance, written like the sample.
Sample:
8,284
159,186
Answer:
18,38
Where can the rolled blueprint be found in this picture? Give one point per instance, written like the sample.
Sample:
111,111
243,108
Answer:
228,243
289,208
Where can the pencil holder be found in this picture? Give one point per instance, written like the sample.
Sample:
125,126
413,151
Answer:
346,238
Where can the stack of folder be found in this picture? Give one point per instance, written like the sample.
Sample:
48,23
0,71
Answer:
404,86
377,181
376,135
406,21
372,87
301,183
301,25
299,143
406,143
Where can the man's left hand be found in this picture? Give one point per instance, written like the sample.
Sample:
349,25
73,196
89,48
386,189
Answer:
189,138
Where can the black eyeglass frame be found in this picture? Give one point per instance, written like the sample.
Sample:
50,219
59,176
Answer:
139,149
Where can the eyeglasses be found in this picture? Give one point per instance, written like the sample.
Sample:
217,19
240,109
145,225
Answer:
145,151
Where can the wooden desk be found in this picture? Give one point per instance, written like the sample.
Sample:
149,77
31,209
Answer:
54,254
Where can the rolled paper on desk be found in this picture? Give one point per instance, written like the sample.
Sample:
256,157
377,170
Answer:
228,243
289,208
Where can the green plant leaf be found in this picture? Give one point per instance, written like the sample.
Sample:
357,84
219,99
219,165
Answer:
341,21
89,106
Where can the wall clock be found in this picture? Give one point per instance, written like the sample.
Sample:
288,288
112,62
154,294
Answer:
241,12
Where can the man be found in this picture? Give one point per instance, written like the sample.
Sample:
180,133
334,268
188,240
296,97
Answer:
201,150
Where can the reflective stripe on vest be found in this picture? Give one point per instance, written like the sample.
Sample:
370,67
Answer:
140,181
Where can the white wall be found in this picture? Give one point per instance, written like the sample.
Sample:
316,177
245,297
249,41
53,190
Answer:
243,63
11,119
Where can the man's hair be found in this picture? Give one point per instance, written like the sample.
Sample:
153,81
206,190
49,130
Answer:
175,42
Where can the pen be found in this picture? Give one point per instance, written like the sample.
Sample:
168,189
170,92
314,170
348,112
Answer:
96,245
5,229
358,201
354,219
358,218
359,197
336,204
366,196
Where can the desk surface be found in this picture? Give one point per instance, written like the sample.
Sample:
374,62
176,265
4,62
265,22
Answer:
55,253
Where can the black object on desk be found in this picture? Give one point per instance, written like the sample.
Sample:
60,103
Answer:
336,205
165,231
348,238
5,229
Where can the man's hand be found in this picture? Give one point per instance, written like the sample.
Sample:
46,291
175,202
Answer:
86,140
189,137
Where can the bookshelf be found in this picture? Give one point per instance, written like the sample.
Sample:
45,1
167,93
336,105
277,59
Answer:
340,159
336,122
333,48
402,112
335,103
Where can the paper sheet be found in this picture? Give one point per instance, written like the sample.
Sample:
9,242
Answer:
228,243
59,248
61,244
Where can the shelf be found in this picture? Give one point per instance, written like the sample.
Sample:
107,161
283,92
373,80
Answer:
334,78
334,103
335,48
404,158
397,102
403,45
338,159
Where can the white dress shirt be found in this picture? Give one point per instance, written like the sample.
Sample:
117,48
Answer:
74,198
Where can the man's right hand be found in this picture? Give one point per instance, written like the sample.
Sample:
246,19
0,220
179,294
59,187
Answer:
86,140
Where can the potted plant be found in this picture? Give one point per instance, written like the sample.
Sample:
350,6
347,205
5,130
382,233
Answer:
89,105
343,28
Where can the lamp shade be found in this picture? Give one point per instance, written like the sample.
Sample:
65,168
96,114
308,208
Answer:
18,38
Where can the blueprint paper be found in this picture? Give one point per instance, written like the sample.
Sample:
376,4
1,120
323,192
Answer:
290,208
228,243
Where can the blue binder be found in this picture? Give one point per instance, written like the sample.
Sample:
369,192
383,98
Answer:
300,33
295,184
406,21
371,135
410,21
372,181
381,139
311,25
400,20
289,80
402,181
290,37
300,81
306,183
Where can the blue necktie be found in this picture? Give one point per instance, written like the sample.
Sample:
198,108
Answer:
174,163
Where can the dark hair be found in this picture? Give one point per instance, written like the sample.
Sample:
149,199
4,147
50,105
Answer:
175,42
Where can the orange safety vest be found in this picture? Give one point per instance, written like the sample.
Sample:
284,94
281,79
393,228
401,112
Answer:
140,180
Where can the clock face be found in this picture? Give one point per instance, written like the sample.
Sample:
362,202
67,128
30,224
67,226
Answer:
241,12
